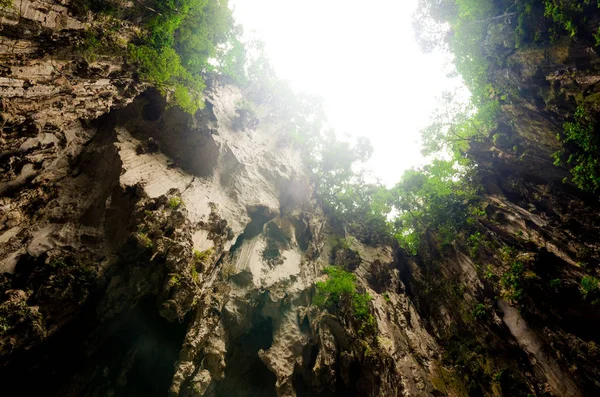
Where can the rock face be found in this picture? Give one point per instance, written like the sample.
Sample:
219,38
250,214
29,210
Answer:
508,306
144,251
178,225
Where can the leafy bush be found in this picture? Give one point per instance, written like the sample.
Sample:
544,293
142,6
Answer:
102,41
175,202
582,146
362,313
512,283
555,283
597,37
339,294
202,256
194,272
90,46
174,279
339,288
590,289
350,201
439,197
474,241
480,312
144,240
565,13
183,40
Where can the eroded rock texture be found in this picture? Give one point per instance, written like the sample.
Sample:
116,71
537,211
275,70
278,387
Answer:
508,308
145,251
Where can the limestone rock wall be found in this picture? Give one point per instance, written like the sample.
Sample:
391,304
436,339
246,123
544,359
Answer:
125,220
144,251
507,307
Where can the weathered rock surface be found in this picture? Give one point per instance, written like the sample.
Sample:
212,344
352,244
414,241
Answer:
144,251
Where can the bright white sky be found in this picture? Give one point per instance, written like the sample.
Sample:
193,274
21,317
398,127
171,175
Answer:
362,59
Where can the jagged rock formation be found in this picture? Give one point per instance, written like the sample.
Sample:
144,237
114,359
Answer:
144,251
542,345
116,226
160,204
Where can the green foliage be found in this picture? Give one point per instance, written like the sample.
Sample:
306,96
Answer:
162,68
174,280
456,125
340,286
339,294
345,194
159,66
590,289
106,41
527,29
471,360
597,37
507,253
6,4
145,240
202,256
566,13
512,283
184,39
472,28
480,311
443,197
470,23
489,273
58,263
91,46
194,272
362,313
582,146
555,283
440,197
4,323
340,243
466,44
175,202
14,312
188,100
474,241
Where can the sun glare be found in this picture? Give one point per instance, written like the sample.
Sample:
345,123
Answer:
363,60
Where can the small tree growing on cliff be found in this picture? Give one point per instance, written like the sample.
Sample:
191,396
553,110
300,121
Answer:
339,295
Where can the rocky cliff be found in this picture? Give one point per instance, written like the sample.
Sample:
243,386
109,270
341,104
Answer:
145,251
509,304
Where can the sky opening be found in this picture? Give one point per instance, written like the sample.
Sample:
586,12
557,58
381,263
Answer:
362,59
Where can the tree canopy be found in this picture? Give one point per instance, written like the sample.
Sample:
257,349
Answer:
183,40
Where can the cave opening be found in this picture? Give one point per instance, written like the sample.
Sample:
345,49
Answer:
246,375
131,355
152,347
